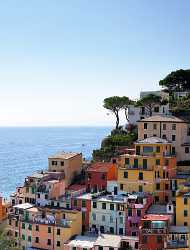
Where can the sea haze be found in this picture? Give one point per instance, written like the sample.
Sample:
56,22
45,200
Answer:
25,150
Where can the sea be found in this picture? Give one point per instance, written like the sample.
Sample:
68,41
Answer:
24,150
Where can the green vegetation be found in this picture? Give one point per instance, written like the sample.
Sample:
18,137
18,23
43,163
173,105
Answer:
149,102
116,104
6,241
178,80
113,143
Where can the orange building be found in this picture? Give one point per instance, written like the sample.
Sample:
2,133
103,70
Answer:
3,209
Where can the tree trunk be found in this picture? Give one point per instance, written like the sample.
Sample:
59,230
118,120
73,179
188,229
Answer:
117,120
126,115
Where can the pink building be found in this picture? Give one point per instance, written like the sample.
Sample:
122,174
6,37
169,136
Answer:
137,206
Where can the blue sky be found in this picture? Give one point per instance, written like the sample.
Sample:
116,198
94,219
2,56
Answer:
60,59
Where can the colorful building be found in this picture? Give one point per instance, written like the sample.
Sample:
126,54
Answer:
171,128
152,169
98,174
108,214
153,231
4,206
136,207
44,228
69,163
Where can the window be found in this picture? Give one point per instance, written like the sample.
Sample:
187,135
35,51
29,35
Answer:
30,227
136,163
121,220
46,196
157,162
103,176
94,216
185,200
156,109
121,186
185,213
100,248
187,150
136,245
37,227
103,205
23,237
62,163
94,204
138,212
144,163
49,242
23,226
111,230
74,248
157,149
83,203
138,150
129,211
58,243
29,238
126,161
166,199
111,248
16,234
83,216
164,126
156,199
173,150
111,219
157,186
58,231
173,126
37,240
140,176
75,202
121,231
185,224
126,175
154,126
144,240
159,239
103,218
54,163
166,162
173,137
145,125
166,186
49,230
145,136
111,206
134,234
164,137
140,188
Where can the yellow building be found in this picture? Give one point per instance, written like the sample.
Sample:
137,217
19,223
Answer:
69,163
183,205
170,128
150,169
4,206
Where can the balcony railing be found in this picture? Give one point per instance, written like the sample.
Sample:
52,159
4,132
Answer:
173,244
154,231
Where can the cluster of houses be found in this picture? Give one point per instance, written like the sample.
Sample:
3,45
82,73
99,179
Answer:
139,200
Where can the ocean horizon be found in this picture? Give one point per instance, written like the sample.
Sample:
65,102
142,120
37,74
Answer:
25,149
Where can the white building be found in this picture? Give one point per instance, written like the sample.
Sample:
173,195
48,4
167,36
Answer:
108,215
137,113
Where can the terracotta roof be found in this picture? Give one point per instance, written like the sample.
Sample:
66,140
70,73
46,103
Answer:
76,187
159,217
162,118
100,167
64,155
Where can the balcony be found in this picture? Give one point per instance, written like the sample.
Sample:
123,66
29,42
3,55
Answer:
154,230
138,167
173,244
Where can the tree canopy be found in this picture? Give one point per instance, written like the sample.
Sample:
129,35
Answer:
178,80
6,242
149,102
